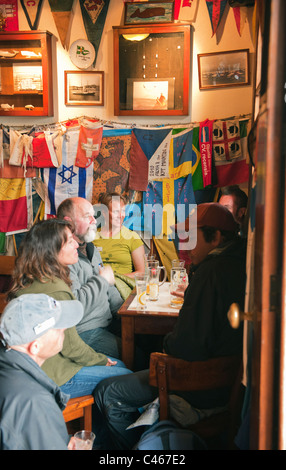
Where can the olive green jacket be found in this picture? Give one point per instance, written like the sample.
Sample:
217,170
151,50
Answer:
75,353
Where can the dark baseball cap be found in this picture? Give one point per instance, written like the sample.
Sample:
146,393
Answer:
210,214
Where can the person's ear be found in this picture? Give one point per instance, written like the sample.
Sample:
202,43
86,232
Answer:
217,239
34,347
241,213
67,217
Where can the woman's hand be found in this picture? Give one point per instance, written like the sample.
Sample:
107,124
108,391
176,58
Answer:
110,362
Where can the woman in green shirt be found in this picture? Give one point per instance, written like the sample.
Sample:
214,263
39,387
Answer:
119,247
42,267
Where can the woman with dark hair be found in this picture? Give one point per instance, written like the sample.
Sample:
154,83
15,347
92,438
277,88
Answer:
119,246
42,267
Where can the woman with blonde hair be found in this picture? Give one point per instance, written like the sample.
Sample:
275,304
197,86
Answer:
119,246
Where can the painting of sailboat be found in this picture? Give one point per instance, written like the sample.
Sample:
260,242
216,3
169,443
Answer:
84,88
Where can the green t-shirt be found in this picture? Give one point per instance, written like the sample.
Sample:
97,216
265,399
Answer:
117,251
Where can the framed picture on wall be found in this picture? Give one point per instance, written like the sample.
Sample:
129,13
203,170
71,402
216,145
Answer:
223,69
84,88
149,12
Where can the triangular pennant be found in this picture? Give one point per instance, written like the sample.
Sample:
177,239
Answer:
240,15
216,9
61,11
94,14
32,12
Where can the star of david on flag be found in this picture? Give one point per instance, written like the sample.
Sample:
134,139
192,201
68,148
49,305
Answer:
68,180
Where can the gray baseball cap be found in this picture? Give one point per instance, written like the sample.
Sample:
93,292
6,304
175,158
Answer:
29,316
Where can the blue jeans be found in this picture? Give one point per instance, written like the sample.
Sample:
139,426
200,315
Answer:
103,341
86,379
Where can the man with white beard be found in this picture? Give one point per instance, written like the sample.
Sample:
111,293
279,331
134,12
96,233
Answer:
92,284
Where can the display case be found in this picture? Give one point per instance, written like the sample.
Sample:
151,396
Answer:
151,69
26,73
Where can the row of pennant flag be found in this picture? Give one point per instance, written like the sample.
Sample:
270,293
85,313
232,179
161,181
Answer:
83,157
94,14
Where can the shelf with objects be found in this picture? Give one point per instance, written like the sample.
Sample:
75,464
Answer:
26,73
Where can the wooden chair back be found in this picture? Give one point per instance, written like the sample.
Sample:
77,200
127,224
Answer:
7,264
79,409
170,374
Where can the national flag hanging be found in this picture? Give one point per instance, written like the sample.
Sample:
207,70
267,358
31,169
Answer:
149,156
9,10
7,142
230,151
68,180
216,9
165,201
32,10
206,150
94,14
111,166
185,156
88,145
240,15
187,3
180,158
35,151
13,204
61,11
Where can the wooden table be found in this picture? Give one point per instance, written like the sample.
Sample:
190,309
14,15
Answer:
158,319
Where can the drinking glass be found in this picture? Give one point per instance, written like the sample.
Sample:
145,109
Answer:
141,287
154,279
84,440
178,263
179,282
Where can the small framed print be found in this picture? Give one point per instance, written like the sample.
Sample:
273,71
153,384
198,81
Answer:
223,69
84,88
149,12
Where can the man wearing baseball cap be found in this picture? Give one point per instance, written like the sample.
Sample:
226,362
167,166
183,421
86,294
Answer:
216,280
32,330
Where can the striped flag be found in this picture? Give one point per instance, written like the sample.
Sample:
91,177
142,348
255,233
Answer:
68,180
216,9
13,204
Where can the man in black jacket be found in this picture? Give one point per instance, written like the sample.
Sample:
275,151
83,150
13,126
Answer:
216,280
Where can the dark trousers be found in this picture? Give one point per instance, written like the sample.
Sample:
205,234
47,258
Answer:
118,399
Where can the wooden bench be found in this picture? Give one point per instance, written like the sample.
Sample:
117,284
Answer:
80,408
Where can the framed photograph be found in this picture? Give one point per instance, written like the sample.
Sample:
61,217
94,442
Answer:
150,94
149,12
223,69
152,73
84,88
